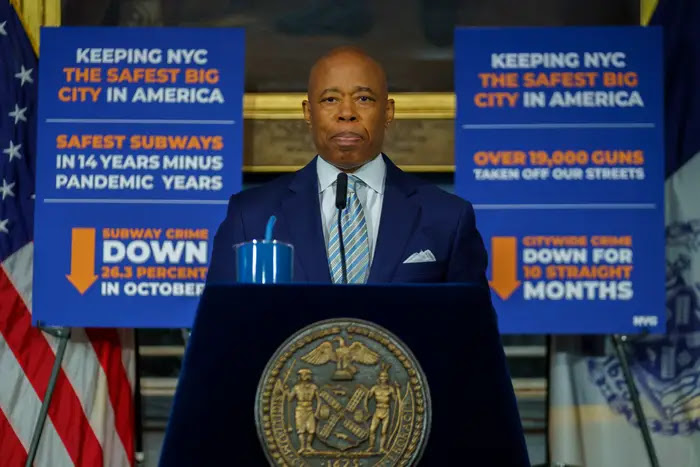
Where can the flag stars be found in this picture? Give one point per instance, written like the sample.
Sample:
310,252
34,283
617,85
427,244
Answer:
6,189
18,114
2,28
3,226
25,76
13,151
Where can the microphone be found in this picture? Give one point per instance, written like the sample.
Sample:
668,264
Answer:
341,195
341,192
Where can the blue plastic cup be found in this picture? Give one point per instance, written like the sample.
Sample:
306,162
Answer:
264,262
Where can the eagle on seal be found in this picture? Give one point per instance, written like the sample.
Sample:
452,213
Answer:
343,355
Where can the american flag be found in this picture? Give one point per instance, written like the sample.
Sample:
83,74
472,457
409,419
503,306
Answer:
91,417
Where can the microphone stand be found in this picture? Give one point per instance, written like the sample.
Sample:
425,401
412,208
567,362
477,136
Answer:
341,195
342,248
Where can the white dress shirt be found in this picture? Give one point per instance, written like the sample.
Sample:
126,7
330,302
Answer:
371,196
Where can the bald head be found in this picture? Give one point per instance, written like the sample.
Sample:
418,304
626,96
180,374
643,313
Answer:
348,109
348,55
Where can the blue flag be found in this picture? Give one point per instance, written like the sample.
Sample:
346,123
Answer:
592,421
681,22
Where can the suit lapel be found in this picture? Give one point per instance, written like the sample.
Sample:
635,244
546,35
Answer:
302,214
399,215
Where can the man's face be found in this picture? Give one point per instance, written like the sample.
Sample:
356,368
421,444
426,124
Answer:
383,378
348,109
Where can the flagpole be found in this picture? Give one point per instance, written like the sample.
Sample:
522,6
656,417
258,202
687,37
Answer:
619,341
139,452
63,335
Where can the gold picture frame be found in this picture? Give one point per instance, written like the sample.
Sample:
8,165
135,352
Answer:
421,138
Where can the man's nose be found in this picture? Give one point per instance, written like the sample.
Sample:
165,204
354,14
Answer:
346,112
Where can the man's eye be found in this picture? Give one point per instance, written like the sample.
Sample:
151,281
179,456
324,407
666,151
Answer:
365,99
330,99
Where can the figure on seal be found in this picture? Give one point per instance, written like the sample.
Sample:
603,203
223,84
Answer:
383,392
304,391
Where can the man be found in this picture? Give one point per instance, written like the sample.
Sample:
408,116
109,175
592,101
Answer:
396,228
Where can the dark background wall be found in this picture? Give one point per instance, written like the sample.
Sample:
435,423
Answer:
413,38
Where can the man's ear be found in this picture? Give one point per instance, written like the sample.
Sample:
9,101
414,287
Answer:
306,107
389,117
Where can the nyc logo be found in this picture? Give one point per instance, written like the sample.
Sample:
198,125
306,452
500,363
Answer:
666,367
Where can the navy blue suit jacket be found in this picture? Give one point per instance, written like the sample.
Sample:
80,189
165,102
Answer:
415,216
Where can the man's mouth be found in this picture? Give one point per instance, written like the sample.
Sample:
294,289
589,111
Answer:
347,138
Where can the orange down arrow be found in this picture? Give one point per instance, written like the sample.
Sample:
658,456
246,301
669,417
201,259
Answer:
82,259
504,269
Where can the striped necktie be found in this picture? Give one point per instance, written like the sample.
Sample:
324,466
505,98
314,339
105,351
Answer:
355,240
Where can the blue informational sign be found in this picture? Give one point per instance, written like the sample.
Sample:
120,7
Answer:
139,149
559,146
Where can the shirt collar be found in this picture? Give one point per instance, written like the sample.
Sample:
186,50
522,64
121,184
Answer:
372,173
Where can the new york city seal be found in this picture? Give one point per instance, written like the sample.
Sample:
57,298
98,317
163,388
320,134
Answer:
343,393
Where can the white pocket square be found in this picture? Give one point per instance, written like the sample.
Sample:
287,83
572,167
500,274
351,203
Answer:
423,256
